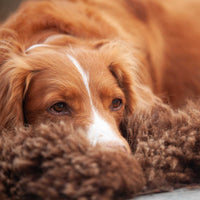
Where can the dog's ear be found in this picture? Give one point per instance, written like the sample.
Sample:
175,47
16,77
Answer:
14,81
14,76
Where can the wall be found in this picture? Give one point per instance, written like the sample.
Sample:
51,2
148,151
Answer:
7,7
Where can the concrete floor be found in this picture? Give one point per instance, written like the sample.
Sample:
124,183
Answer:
180,194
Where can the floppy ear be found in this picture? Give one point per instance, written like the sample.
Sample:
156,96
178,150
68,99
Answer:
14,76
14,82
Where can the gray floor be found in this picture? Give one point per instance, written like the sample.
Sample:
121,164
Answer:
181,194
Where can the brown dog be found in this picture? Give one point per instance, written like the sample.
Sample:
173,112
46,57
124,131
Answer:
92,62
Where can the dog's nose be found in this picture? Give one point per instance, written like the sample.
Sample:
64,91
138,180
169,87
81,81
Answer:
115,146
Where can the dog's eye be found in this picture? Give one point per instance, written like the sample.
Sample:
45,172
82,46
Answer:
116,104
60,108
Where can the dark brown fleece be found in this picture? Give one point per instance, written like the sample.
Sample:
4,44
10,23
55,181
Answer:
55,162
167,145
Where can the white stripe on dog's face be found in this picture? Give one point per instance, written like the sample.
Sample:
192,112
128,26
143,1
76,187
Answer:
100,130
36,45
84,76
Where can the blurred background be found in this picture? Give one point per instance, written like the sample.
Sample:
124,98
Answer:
7,7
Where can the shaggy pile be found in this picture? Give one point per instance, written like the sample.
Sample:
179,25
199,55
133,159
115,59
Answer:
55,162
166,143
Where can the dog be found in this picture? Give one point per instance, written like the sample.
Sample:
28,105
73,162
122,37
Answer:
92,63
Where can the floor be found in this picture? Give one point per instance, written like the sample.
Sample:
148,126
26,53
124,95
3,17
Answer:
180,194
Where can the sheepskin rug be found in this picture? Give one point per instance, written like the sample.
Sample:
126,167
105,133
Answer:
54,161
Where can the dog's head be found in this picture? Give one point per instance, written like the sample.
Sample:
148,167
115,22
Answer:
89,86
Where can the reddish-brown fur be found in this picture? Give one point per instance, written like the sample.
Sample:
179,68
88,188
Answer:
145,50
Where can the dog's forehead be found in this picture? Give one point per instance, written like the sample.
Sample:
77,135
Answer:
85,65
80,59
54,66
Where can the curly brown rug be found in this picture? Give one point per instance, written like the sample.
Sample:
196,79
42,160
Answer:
55,162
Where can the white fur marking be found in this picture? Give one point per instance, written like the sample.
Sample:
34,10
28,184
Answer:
100,130
36,45
83,74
